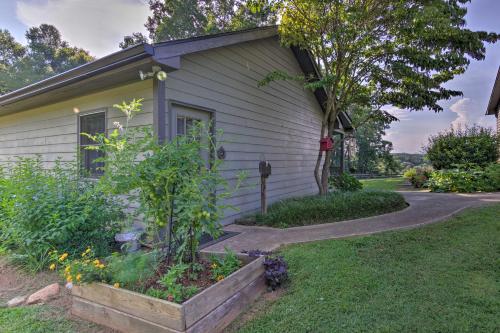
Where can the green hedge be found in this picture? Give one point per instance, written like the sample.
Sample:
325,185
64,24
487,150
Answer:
462,180
334,207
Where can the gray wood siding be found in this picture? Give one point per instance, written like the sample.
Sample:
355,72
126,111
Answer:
51,131
279,122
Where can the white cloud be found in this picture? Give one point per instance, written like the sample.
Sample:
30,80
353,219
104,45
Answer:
398,113
95,25
469,112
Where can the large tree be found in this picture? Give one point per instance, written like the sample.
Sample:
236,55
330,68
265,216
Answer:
378,52
133,39
174,19
45,54
373,152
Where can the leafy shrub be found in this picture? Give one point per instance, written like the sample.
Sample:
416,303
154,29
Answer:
492,174
475,146
276,271
333,207
41,210
345,182
172,180
222,267
418,176
466,180
175,291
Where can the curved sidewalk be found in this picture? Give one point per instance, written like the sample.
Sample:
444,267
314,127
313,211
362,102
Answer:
425,208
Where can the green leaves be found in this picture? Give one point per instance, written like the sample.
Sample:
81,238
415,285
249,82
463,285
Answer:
45,55
171,181
44,209
470,145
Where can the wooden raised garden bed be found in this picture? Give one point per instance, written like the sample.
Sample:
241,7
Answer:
208,311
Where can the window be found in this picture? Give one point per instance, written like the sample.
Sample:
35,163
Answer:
184,125
92,124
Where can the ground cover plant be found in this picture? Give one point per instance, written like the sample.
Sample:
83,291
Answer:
439,278
386,184
42,209
334,207
345,182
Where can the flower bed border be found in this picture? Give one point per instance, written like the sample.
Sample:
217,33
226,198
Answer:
208,311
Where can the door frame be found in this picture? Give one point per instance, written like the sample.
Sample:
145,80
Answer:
172,116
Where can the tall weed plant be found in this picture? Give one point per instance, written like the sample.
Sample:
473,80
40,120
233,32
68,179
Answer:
181,194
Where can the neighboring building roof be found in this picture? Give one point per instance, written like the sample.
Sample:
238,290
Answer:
494,102
122,67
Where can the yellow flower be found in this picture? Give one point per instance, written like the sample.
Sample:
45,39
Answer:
96,262
52,267
67,269
116,285
63,257
87,250
69,279
214,266
101,266
78,277
220,278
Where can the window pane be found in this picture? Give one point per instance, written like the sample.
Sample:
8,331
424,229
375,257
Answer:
92,124
181,123
88,157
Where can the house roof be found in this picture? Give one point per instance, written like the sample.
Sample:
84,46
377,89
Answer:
494,102
122,67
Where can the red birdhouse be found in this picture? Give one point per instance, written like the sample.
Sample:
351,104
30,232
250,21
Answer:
326,144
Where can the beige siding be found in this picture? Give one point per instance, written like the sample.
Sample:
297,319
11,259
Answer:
51,131
279,122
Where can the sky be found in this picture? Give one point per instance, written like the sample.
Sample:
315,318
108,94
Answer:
99,25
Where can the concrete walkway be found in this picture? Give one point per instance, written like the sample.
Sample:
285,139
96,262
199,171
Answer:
425,208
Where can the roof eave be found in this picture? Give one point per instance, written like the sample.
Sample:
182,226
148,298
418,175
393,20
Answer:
79,73
494,101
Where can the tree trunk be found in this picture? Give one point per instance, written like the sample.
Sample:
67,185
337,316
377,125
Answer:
325,173
317,175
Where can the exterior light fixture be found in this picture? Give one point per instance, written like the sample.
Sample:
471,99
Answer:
156,71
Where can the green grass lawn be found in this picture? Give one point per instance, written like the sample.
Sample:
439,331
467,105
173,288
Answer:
34,319
440,278
388,184
338,206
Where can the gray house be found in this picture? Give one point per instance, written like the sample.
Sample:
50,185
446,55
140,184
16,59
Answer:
494,103
209,78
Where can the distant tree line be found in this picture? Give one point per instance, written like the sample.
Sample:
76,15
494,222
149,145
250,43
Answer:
45,55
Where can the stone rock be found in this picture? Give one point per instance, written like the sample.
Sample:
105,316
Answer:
44,294
16,301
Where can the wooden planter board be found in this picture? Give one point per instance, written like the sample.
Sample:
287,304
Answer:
209,311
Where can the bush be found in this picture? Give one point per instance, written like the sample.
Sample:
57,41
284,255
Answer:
472,146
334,207
418,176
171,181
345,182
464,180
41,210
